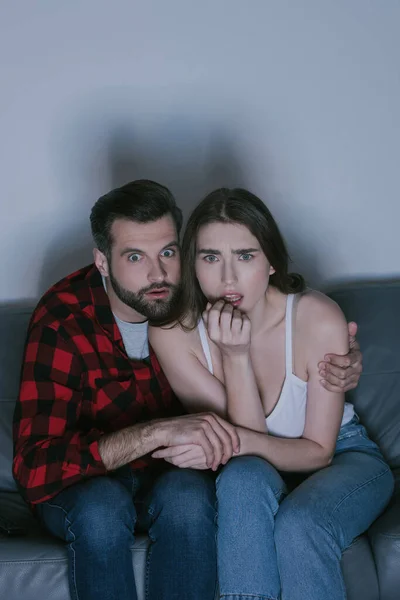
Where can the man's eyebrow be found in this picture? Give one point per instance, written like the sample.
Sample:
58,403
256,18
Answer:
173,243
130,250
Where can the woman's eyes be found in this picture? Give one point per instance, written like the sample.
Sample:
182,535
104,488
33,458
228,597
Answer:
246,257
211,258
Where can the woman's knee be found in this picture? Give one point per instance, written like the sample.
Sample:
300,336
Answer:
247,478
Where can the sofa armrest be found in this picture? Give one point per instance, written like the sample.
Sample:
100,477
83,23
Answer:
384,536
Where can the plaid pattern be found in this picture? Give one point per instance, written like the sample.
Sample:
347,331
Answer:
78,383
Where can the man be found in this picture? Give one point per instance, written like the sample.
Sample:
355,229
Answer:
94,404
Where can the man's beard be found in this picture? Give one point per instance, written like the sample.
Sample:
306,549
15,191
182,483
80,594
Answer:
153,310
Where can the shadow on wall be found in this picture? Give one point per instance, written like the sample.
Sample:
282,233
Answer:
190,158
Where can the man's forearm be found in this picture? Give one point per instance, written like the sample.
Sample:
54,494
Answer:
122,447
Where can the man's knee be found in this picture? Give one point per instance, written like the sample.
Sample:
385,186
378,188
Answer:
184,498
97,509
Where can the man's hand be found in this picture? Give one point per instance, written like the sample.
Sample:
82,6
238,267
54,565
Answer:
217,438
342,373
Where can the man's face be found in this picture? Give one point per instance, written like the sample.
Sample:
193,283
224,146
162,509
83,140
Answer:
144,269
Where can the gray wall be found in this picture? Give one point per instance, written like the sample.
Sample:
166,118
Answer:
298,100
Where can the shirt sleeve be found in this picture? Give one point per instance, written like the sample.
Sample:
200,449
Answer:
50,453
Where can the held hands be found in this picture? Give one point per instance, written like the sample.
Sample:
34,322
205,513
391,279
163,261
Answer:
205,441
201,441
187,456
228,328
342,373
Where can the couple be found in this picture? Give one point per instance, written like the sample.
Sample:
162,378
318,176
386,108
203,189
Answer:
103,447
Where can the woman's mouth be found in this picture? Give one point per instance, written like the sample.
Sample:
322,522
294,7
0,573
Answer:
234,299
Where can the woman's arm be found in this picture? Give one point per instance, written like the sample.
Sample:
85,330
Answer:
325,331
230,330
197,389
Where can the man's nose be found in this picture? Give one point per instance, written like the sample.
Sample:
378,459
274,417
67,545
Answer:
157,272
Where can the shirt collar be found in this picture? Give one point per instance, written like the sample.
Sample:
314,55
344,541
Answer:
101,306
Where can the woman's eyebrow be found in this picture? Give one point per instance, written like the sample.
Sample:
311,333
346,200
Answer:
238,251
245,250
208,251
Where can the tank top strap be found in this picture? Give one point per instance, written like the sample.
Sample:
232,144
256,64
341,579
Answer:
289,334
205,345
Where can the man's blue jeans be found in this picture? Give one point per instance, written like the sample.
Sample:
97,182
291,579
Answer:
97,519
273,544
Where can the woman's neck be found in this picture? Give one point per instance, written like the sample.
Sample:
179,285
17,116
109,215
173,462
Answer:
269,312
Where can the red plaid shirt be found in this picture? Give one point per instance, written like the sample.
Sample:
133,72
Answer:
78,383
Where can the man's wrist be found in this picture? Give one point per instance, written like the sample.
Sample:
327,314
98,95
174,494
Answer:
156,432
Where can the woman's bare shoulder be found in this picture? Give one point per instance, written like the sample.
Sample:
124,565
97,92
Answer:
318,313
175,333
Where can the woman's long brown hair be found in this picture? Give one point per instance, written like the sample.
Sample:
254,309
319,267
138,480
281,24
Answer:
240,206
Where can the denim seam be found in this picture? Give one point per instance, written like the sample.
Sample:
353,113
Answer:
216,547
329,523
147,573
278,499
73,566
360,487
150,511
244,596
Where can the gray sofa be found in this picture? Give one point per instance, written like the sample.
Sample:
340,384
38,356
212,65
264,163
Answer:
35,566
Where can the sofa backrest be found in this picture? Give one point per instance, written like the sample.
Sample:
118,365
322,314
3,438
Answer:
13,326
376,310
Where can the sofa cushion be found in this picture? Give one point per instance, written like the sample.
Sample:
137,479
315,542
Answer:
358,559
376,309
35,567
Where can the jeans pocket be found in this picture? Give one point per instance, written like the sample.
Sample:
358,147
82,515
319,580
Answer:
350,429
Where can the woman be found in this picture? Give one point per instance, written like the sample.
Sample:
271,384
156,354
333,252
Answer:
246,345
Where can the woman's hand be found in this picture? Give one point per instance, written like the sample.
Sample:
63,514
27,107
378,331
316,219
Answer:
228,328
186,456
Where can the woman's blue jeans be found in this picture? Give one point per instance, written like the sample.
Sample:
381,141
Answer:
97,519
273,544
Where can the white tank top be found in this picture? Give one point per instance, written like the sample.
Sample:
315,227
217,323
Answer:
289,414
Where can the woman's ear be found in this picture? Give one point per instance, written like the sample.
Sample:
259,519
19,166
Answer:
271,270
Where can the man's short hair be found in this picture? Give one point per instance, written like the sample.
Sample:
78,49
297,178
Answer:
142,201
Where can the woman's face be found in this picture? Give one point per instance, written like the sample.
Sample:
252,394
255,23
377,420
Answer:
231,265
